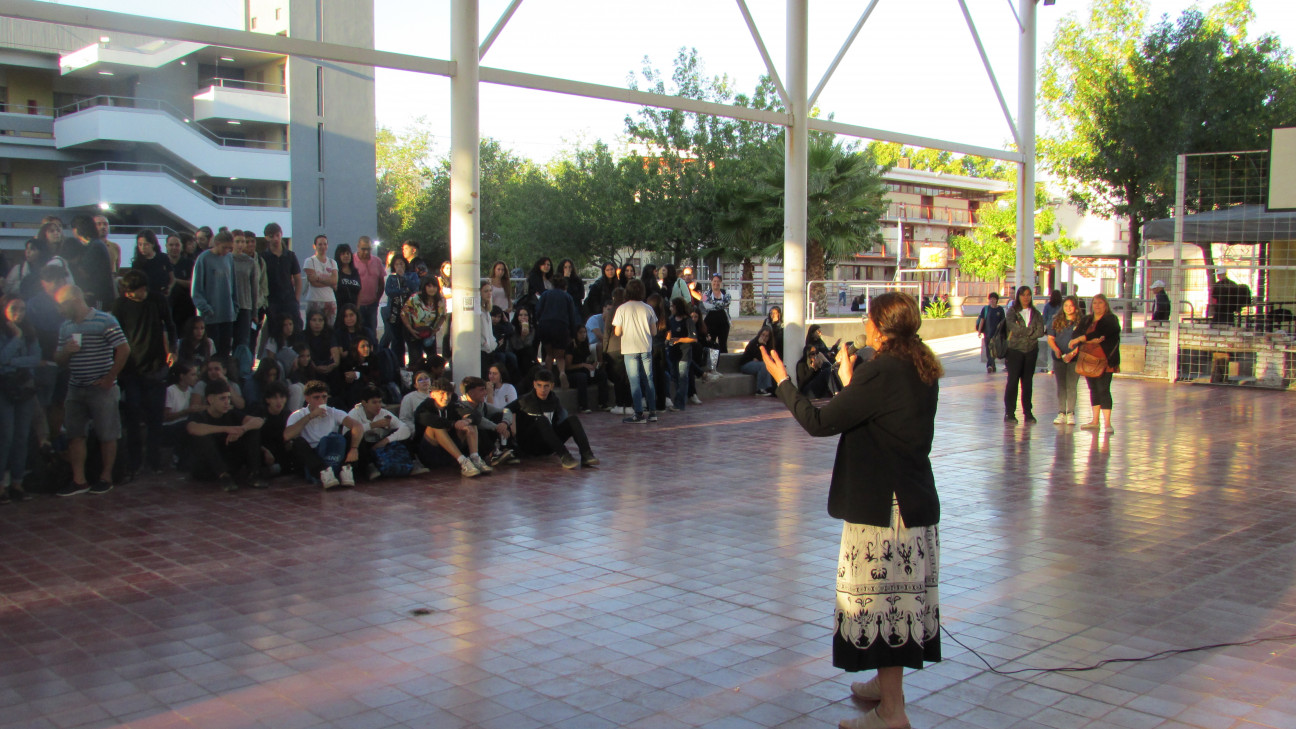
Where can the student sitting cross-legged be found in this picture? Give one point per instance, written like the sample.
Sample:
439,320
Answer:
494,425
384,437
225,443
544,427
316,442
445,435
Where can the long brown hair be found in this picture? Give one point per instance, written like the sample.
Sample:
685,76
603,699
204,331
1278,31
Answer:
896,316
1060,319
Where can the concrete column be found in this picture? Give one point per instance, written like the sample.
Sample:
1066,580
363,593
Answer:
1026,131
795,180
465,172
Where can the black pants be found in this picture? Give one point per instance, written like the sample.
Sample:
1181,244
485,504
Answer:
581,379
222,335
540,437
717,324
1100,391
211,456
1021,371
616,369
143,403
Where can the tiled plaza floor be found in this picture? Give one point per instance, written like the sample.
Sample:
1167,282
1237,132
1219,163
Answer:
687,582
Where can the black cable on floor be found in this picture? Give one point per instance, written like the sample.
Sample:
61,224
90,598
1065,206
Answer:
1153,657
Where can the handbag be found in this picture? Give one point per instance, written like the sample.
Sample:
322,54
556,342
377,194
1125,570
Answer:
997,344
1091,361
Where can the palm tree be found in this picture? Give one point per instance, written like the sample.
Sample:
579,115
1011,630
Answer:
846,198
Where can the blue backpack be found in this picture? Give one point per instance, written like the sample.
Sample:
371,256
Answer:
394,460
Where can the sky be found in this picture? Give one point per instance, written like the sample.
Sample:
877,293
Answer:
913,68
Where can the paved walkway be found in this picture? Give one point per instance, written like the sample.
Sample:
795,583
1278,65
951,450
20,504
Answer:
687,582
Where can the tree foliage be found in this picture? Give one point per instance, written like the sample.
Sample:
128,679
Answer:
1126,100
991,250
889,154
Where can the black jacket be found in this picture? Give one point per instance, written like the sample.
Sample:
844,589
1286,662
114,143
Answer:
886,418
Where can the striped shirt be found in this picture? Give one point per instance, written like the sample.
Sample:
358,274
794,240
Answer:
100,336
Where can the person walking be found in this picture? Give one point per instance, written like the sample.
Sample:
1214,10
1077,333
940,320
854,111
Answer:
1025,327
989,324
887,612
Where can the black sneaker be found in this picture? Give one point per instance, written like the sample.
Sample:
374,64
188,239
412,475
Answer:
100,487
588,460
73,489
636,419
1010,418
652,417
568,461
1031,418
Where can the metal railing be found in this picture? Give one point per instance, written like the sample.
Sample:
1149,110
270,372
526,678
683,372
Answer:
153,167
132,102
25,199
858,296
930,214
242,85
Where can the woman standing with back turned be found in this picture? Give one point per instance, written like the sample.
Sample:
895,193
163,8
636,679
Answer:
887,615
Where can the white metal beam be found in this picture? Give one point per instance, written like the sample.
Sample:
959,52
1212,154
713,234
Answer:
854,130
1026,143
850,39
1016,17
985,61
796,174
629,96
765,56
465,181
48,12
499,27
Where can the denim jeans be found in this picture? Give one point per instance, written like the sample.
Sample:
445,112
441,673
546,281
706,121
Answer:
328,453
683,374
764,381
639,372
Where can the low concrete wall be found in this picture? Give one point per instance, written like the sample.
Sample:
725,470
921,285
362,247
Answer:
852,329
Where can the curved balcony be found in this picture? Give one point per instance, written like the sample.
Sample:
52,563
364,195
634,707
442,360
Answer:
111,121
130,183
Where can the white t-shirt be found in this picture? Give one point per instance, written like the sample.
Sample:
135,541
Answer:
319,293
319,427
177,401
637,321
503,396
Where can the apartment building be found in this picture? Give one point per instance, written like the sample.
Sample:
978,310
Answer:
171,135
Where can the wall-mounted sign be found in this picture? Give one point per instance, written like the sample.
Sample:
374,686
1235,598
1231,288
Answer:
933,257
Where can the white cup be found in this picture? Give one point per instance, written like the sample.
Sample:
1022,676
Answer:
76,337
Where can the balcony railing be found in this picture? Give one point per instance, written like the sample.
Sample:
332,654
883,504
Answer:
931,213
243,200
241,84
45,201
131,102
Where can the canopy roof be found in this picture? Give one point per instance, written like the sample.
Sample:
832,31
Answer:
1238,224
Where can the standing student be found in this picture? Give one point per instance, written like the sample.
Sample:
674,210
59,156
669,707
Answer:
1025,327
321,281
213,292
1060,332
348,285
372,275
283,274
93,349
247,288
19,356
1101,327
883,489
145,319
635,323
90,262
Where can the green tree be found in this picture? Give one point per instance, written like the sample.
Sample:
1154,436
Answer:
889,154
404,169
1126,102
991,250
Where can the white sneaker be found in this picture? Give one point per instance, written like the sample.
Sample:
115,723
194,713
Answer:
479,463
467,468
348,478
1060,419
1070,419
695,399
669,405
327,479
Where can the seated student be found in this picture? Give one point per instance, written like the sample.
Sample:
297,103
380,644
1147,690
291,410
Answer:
213,370
194,345
225,442
273,409
445,436
583,368
366,366
410,403
179,405
381,428
313,434
494,425
350,329
543,425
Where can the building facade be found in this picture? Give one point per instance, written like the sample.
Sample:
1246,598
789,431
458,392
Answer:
173,136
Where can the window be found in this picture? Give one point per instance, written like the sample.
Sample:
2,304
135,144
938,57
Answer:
321,203
319,91
319,147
